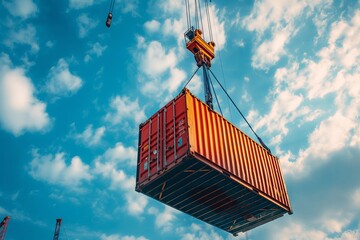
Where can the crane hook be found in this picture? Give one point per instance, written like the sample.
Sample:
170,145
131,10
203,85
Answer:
109,19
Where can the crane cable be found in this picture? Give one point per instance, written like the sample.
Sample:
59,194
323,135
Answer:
196,15
111,7
217,101
208,20
201,19
188,18
242,115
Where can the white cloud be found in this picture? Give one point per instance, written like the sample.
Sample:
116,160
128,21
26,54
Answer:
195,85
63,197
278,19
356,198
296,231
20,110
129,6
267,13
53,169
123,109
119,153
118,178
240,43
15,196
218,27
21,216
136,202
152,26
270,51
21,8
91,137
158,61
25,36
50,44
284,110
197,232
96,50
119,237
159,77
171,7
164,220
348,235
111,166
85,24
61,82
112,163
317,78
77,4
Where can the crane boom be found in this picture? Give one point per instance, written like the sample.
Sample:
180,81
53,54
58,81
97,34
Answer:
3,227
57,229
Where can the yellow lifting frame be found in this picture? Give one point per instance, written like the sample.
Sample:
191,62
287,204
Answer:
203,52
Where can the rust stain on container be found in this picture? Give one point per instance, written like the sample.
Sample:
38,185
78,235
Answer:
194,160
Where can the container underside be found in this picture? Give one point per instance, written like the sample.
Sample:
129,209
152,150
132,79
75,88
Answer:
193,187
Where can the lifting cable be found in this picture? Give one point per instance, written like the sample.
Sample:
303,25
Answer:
188,18
212,86
111,7
208,20
66,236
260,140
242,115
196,15
213,89
201,20
192,77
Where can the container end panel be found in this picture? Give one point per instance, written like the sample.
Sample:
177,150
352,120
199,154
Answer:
163,140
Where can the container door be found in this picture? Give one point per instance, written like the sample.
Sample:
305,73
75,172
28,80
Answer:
150,147
163,139
176,134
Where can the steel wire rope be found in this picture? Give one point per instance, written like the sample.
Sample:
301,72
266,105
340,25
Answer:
196,15
66,236
111,7
221,63
200,14
223,75
260,140
188,17
191,77
208,20
217,101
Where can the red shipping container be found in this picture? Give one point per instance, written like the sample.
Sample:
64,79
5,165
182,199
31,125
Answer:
194,160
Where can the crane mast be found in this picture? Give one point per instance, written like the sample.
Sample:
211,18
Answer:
3,227
57,229
204,52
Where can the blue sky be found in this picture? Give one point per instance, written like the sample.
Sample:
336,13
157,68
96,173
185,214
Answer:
72,94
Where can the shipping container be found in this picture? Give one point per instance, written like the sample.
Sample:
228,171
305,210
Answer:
194,160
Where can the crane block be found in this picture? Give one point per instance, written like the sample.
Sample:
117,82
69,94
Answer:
203,51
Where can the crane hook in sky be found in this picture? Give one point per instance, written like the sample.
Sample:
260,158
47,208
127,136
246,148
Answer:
110,15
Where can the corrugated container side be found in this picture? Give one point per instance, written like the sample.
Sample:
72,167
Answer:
221,143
